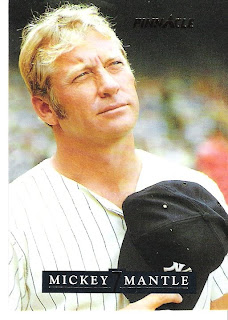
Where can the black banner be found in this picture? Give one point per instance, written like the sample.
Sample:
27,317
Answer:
119,281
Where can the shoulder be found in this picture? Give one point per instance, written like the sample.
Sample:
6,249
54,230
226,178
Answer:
30,174
26,188
156,169
26,196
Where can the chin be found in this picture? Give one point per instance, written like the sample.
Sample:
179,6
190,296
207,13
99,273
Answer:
120,130
118,126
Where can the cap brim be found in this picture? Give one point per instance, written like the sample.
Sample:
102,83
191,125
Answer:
131,260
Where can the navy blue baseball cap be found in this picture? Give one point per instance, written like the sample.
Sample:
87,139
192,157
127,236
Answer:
174,223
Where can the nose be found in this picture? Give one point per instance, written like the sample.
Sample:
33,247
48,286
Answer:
107,84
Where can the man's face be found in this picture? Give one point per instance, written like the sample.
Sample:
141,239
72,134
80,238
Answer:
96,87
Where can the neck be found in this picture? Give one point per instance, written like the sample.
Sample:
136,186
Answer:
111,170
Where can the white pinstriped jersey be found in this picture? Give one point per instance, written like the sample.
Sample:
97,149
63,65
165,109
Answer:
58,224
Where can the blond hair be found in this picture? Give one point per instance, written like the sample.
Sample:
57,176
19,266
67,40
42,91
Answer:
52,34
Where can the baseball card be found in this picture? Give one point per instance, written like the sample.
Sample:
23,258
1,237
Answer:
118,157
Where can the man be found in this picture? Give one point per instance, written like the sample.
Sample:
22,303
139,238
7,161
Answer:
66,212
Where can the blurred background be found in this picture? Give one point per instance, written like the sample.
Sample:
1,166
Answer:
181,78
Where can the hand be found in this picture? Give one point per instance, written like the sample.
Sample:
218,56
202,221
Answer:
153,301
220,304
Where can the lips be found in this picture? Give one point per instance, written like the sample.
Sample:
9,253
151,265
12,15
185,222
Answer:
112,107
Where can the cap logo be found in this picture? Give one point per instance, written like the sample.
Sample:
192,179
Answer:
178,267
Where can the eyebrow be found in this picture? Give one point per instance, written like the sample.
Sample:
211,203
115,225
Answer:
74,69
80,66
118,57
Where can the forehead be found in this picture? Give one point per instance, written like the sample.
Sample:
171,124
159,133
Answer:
94,45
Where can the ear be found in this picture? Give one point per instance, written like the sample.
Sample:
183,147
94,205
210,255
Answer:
44,110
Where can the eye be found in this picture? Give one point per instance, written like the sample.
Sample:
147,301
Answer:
81,75
114,63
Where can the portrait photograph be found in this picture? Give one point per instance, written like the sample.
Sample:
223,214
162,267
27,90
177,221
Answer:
118,157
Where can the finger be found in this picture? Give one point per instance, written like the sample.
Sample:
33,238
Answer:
153,301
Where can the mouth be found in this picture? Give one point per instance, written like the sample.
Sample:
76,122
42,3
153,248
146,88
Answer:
112,107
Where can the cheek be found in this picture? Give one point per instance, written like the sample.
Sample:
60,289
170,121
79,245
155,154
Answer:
131,87
77,99
129,80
